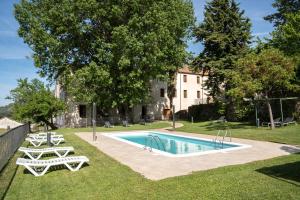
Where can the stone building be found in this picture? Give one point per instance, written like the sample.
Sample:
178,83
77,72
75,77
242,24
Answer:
189,91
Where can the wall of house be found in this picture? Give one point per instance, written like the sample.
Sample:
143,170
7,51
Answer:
72,117
192,87
160,104
157,107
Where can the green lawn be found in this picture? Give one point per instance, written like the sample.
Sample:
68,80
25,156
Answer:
2,130
105,178
154,125
288,134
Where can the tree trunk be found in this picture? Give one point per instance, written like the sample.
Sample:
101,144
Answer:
52,126
270,115
171,88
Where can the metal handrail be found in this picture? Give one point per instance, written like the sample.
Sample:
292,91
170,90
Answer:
152,138
223,138
160,141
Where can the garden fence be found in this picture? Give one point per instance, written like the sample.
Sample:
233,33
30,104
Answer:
10,141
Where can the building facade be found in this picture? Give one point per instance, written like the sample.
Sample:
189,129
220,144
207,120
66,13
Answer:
189,90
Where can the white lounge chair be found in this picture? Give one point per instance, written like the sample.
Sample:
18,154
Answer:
41,134
41,137
40,167
221,119
288,121
107,124
39,141
36,154
277,122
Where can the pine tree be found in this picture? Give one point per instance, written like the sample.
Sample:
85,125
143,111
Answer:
286,35
225,34
283,8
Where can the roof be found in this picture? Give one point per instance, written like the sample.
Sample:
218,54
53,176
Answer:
187,70
4,122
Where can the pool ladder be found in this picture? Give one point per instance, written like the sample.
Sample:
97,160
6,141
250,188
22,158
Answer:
153,138
219,139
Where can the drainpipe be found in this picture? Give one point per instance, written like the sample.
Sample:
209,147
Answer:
180,92
202,87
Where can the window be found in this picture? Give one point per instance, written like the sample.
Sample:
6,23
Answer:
162,92
184,78
198,94
198,79
82,111
185,93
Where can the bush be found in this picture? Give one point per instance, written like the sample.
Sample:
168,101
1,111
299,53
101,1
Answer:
203,112
297,111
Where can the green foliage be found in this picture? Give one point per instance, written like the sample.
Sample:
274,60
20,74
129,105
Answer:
225,34
283,7
204,112
286,36
5,111
263,74
106,51
35,102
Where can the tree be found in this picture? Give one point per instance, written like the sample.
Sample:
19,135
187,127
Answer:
5,111
262,75
287,36
225,34
35,102
283,7
106,51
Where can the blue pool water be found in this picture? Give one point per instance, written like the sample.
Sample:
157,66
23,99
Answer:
174,144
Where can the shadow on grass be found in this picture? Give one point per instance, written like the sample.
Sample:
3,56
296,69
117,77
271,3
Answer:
55,168
213,126
7,175
288,172
290,149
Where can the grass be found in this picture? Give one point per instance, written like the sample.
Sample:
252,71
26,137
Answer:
105,178
7,174
154,125
287,135
2,130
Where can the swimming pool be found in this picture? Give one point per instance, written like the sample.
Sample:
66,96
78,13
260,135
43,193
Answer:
175,145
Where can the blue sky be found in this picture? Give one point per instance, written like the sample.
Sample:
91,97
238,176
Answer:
15,59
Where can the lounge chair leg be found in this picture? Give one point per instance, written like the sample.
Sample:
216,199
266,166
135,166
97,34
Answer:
66,153
63,154
39,156
35,173
75,168
56,143
29,155
33,143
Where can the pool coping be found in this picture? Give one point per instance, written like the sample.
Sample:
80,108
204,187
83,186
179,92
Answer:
155,166
115,136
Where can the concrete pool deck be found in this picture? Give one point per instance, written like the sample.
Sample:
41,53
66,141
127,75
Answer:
155,166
